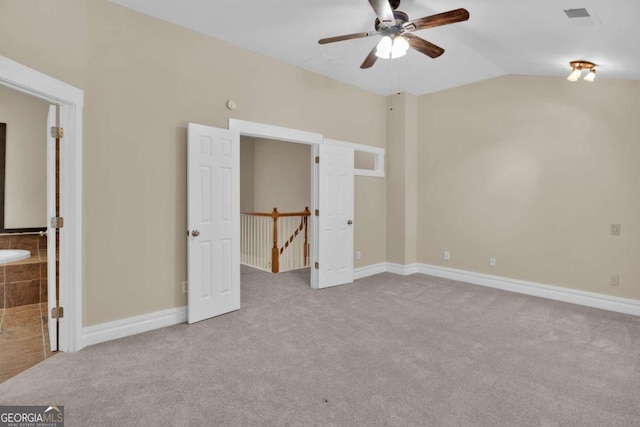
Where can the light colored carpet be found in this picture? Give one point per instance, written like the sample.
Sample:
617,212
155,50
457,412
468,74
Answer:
387,350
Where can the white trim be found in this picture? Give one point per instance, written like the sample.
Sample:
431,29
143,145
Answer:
369,270
403,270
52,274
133,325
260,130
574,296
557,293
315,197
369,172
378,152
32,82
147,322
70,100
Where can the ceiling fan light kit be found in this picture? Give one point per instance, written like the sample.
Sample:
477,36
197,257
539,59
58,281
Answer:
395,48
395,28
578,66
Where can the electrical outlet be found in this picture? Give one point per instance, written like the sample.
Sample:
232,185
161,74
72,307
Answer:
615,280
492,262
185,287
615,229
447,256
358,255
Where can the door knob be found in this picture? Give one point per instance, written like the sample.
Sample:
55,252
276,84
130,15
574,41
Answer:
349,222
195,233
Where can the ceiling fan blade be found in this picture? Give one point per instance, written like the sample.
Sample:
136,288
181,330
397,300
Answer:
444,18
347,37
370,59
423,46
384,12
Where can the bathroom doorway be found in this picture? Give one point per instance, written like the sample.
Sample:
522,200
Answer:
29,161
70,263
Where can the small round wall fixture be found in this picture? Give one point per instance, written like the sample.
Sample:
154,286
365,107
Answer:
231,104
580,65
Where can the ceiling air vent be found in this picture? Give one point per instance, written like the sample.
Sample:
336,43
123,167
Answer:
577,13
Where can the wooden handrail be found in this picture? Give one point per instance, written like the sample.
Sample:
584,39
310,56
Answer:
302,226
257,213
275,252
275,210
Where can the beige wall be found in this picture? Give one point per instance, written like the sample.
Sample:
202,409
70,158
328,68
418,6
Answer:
247,173
402,179
274,174
282,176
26,159
529,170
144,79
532,171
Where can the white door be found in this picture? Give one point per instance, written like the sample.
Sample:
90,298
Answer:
213,216
335,220
52,302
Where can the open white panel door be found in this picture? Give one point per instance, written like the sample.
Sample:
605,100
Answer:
335,220
213,211
52,300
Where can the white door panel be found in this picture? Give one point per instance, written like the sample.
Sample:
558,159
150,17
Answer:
52,121
213,179
335,221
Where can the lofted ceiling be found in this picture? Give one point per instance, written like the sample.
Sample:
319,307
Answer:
501,37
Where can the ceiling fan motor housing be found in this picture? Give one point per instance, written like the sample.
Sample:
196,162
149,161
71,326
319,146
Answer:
400,18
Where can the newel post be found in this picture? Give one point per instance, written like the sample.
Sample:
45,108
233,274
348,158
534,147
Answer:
305,218
275,254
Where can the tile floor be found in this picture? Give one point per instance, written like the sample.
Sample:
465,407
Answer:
24,339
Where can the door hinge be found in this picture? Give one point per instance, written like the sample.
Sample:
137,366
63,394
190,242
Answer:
57,222
317,212
57,313
57,132
317,265
317,159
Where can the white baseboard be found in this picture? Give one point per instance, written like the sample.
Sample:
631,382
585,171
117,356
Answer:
369,270
384,267
147,322
574,296
133,325
403,270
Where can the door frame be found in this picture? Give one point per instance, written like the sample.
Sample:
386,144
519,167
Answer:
260,130
71,100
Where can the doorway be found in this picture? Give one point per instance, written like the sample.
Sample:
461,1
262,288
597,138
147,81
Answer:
70,101
275,196
213,212
332,199
313,141
24,277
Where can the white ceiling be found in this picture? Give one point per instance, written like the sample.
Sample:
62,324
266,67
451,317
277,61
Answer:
501,37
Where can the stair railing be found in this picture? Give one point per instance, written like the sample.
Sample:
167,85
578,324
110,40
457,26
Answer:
286,227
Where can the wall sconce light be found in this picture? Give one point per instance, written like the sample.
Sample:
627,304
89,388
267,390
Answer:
578,66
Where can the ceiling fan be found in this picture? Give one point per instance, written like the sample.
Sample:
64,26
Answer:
396,29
